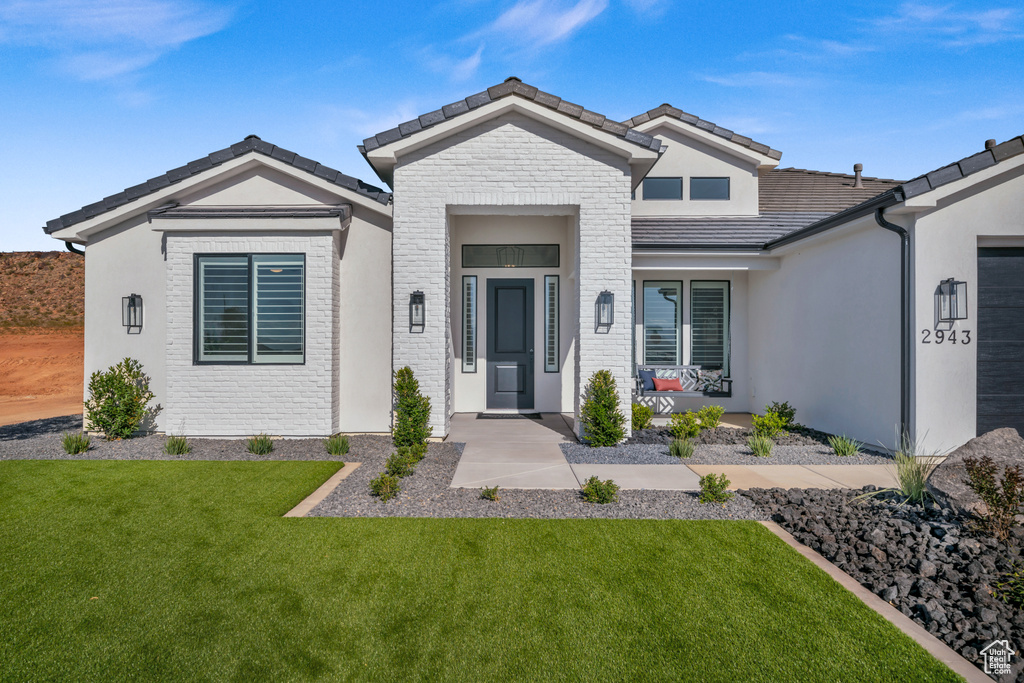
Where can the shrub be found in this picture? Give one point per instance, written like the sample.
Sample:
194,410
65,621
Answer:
761,445
1011,590
75,443
177,445
385,487
260,444
415,453
336,444
600,492
118,399
912,470
490,493
770,424
844,445
1003,499
602,420
681,448
684,425
412,410
785,412
713,489
400,464
710,416
643,417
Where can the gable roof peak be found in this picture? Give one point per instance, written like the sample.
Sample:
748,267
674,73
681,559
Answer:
666,109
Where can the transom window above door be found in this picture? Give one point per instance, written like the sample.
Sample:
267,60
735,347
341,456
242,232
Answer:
510,256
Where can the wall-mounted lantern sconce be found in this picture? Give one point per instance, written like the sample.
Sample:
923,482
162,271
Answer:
417,311
952,302
605,315
510,256
131,313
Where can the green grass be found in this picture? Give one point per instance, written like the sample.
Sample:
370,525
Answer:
196,576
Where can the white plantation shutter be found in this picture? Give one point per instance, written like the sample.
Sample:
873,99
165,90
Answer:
469,323
223,308
278,308
662,309
709,325
551,323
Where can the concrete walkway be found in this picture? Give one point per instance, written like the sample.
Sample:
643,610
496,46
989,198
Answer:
523,453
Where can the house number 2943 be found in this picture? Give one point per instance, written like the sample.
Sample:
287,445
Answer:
942,336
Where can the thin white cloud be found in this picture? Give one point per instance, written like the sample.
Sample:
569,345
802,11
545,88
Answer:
103,39
536,23
337,123
456,69
952,27
651,8
757,79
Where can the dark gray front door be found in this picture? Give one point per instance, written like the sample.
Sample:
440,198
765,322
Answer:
510,344
1000,339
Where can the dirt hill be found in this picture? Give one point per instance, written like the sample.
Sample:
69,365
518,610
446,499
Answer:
42,289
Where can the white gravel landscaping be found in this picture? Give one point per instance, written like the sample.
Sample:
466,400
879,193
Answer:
658,454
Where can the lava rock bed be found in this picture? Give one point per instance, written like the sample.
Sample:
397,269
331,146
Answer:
730,436
927,562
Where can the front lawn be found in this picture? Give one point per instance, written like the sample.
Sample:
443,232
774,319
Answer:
185,570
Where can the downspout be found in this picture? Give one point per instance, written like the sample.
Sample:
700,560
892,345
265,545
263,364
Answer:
71,248
906,328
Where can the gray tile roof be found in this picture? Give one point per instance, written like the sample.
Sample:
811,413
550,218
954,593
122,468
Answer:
512,86
797,189
697,122
753,232
250,144
963,168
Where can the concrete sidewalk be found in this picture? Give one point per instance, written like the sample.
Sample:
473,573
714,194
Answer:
524,453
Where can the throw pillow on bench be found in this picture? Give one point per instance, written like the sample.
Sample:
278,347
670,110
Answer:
667,384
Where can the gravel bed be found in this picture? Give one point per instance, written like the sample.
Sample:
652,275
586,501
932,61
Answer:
731,436
649,454
426,494
929,563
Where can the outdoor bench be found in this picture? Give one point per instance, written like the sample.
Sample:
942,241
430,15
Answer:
689,377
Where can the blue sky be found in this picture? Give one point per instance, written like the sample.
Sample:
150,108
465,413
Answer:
96,96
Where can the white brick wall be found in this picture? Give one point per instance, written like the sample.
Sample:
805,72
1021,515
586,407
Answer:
510,161
241,400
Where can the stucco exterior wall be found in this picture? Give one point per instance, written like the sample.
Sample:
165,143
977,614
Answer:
239,400
687,158
511,161
738,337
124,260
825,332
946,241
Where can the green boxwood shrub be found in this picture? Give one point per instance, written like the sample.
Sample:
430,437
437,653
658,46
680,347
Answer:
713,489
684,425
643,417
710,416
118,399
400,464
603,422
600,492
385,487
770,424
412,410
786,412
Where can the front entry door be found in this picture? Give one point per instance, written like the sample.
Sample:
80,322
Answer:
510,344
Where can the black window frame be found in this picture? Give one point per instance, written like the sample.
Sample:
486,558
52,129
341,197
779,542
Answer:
728,189
664,199
197,333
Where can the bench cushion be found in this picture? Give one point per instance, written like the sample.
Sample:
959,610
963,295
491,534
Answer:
667,384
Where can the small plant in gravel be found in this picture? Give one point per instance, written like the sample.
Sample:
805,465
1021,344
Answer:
400,464
710,416
761,445
1003,499
385,487
261,444
911,469
414,453
336,444
681,448
684,425
786,412
490,493
844,445
713,489
74,444
603,422
600,492
1011,589
118,400
643,417
412,410
770,424
177,445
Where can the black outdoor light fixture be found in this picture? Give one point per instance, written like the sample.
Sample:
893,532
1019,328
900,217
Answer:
510,256
952,302
605,309
131,312
417,311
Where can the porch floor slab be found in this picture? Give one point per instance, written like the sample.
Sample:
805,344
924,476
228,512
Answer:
656,477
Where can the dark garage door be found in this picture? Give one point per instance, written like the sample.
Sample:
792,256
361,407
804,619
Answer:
1000,339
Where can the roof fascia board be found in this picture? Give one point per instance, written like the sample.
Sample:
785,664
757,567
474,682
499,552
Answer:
760,160
387,156
85,229
300,225
678,260
931,199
